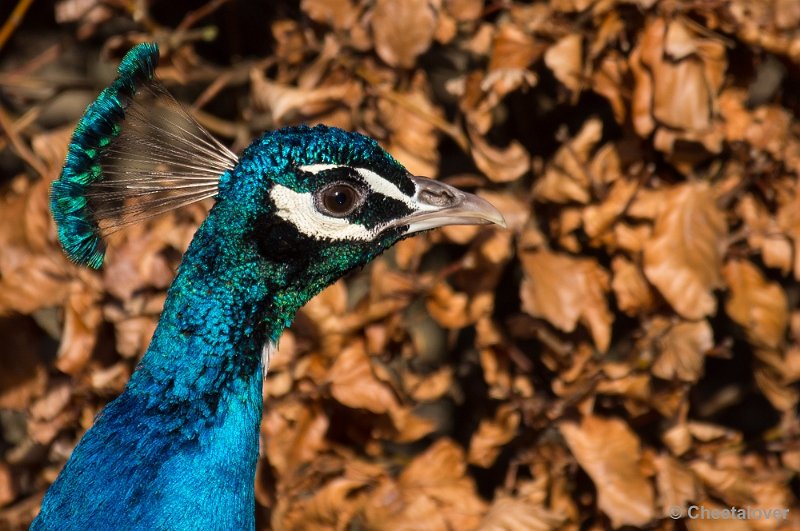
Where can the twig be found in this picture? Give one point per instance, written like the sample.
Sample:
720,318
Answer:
216,125
212,90
13,21
443,125
23,122
192,17
19,146
50,54
451,130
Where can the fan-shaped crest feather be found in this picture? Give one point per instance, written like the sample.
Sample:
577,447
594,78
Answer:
135,153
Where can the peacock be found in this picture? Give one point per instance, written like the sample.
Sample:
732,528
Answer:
301,207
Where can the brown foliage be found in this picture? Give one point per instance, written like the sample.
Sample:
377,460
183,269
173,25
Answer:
630,345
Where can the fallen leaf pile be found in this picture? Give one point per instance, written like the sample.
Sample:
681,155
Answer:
630,345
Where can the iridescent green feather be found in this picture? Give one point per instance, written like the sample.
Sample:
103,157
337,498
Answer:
78,229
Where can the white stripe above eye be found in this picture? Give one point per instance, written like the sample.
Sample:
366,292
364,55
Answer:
298,209
318,168
382,186
376,182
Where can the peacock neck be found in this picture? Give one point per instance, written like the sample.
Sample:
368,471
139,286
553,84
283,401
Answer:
219,313
178,449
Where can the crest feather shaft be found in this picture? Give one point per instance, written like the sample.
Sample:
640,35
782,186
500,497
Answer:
136,153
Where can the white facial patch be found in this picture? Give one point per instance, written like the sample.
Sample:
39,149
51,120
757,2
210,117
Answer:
298,209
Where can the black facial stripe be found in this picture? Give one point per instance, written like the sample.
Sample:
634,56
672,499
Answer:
314,180
279,241
379,209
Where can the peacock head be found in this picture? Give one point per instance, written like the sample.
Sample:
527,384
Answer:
324,201
308,204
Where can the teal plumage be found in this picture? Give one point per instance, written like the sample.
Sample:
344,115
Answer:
300,208
79,234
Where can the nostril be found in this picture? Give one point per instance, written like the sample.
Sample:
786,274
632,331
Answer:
437,198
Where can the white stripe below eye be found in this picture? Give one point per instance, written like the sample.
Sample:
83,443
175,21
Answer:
299,210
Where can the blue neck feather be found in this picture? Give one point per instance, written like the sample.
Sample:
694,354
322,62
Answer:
178,448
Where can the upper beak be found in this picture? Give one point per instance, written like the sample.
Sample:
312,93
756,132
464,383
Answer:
438,204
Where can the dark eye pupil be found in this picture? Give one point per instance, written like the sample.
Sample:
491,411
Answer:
339,199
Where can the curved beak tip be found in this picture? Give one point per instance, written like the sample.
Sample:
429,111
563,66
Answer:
441,204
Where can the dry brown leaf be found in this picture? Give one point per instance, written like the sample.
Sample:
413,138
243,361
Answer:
340,14
328,507
610,453
516,211
729,481
447,306
464,10
512,49
286,103
82,319
408,426
433,492
294,435
492,434
679,71
496,373
566,290
353,382
565,59
412,135
403,30
8,490
133,335
789,220
501,165
677,438
290,43
429,387
758,306
514,514
682,351
599,218
567,177
676,484
683,259
631,238
51,404
136,261
770,376
609,80
440,473
33,274
764,234
634,294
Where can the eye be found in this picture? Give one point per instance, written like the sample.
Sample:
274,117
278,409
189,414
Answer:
338,200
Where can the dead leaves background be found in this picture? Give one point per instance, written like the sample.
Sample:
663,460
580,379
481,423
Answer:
629,345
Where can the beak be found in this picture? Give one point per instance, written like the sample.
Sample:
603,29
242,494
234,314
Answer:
437,204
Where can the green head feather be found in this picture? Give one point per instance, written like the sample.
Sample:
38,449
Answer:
78,228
